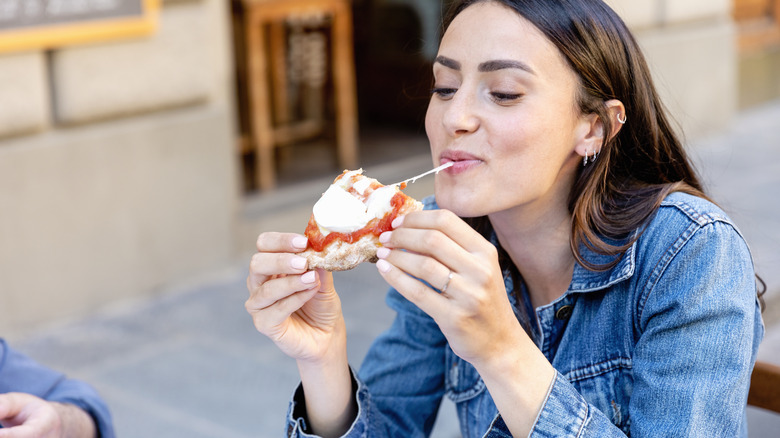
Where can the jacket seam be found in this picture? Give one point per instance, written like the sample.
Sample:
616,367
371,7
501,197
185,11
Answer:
668,257
660,267
619,362
585,421
556,376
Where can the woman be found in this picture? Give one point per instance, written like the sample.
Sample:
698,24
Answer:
592,289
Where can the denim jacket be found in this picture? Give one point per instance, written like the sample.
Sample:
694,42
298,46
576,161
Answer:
662,344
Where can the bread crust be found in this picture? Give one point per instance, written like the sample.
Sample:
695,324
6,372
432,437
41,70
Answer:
343,256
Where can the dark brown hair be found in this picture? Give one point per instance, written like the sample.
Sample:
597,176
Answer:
635,170
641,165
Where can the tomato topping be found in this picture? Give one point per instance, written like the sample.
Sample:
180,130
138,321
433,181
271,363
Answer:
375,226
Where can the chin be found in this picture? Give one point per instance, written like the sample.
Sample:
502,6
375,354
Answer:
462,204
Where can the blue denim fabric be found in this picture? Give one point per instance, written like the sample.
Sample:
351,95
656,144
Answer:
662,344
19,373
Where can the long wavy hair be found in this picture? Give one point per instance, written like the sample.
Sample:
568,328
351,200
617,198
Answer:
636,169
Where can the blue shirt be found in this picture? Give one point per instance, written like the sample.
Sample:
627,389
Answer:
662,344
19,373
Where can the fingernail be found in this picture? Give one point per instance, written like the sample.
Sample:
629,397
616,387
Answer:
309,277
397,222
385,237
300,242
382,253
383,265
298,262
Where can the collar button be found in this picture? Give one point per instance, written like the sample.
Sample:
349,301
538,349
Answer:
564,312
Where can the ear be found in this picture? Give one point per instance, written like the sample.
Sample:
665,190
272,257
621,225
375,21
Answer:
592,129
617,115
589,135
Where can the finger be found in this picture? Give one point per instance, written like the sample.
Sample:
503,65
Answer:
430,243
275,257
265,265
414,290
19,414
326,281
281,242
271,319
21,431
451,240
12,403
277,289
420,266
448,224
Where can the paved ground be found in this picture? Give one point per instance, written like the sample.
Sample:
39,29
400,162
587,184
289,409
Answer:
190,364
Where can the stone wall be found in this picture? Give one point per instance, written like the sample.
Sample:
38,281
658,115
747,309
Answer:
117,173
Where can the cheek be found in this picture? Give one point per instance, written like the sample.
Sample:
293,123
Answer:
541,138
430,124
512,139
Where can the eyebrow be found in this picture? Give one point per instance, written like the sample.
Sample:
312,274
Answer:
447,62
501,64
487,66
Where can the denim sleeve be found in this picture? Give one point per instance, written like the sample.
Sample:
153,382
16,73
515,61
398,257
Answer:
401,381
19,373
566,413
698,328
701,327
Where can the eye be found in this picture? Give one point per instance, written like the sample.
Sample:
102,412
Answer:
443,92
500,97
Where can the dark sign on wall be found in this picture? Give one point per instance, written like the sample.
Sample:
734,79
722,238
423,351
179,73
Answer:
42,24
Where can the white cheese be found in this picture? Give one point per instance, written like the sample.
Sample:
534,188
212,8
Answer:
362,184
346,179
378,203
339,211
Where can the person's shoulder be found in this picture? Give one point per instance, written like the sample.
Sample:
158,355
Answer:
681,215
691,208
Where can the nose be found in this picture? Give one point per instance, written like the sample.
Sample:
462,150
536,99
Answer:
460,114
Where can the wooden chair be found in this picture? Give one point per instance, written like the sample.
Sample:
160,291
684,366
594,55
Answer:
266,76
765,387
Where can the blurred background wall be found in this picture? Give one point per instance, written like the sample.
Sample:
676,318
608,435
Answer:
117,174
128,165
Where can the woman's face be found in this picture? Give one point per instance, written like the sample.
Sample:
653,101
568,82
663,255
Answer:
504,109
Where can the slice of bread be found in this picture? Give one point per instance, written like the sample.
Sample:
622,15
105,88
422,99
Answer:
340,255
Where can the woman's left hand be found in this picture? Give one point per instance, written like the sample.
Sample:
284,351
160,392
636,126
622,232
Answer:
472,309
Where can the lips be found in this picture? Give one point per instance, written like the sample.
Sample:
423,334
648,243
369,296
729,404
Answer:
463,161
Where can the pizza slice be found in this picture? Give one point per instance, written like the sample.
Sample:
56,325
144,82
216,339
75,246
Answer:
346,222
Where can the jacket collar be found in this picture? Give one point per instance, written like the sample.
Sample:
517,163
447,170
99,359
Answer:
584,280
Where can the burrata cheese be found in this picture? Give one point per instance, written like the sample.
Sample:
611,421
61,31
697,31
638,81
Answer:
341,212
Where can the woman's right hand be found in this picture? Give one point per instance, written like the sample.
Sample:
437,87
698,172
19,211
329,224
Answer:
300,312
297,309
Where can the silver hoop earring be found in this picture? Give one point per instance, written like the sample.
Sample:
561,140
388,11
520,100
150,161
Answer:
585,159
623,120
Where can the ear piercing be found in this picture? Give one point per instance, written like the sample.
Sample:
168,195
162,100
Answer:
592,159
622,120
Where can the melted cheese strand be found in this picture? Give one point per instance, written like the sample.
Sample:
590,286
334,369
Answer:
437,170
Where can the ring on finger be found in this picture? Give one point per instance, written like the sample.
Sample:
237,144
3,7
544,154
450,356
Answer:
447,283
